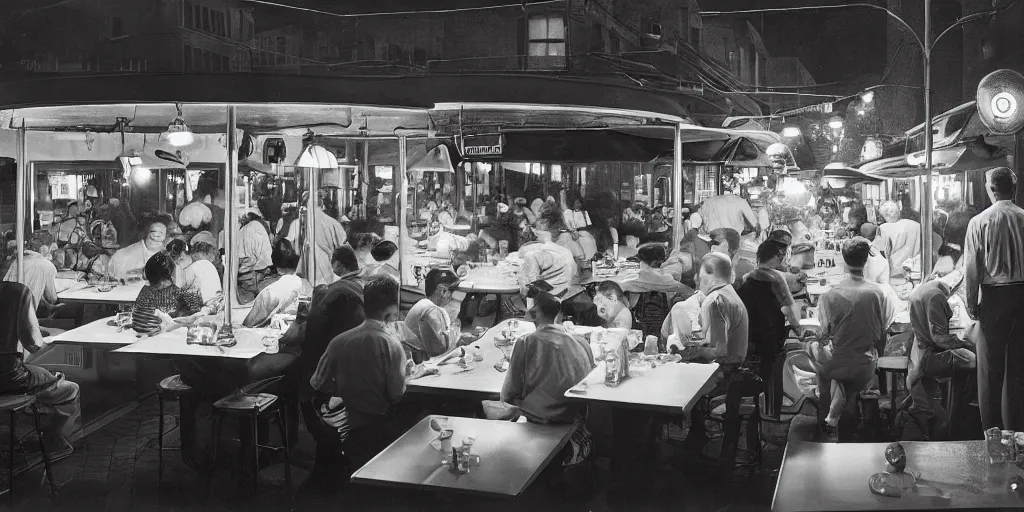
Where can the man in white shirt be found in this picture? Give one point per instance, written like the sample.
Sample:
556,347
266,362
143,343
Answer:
254,256
994,282
428,320
547,261
39,277
132,259
728,211
202,276
899,239
282,295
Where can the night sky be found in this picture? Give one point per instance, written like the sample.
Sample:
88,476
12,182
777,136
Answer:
835,46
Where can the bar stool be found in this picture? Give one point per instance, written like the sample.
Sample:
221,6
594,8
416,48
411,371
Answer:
897,367
169,389
742,402
13,404
251,406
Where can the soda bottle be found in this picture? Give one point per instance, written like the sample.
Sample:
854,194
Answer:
612,362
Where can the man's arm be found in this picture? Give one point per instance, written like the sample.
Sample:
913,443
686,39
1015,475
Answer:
435,336
974,266
397,370
29,335
323,378
512,388
750,218
529,273
50,292
716,330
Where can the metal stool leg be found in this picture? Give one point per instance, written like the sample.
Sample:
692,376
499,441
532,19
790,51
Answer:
160,442
255,451
10,460
216,441
283,426
42,449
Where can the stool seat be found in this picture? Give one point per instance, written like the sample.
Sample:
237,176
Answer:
241,403
173,385
15,402
894,363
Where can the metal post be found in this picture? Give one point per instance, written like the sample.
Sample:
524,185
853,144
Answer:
311,209
364,182
402,189
230,221
677,187
927,199
20,202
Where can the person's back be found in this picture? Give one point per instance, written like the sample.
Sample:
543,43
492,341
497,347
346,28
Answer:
39,277
366,367
900,240
766,321
334,309
420,319
854,313
728,211
14,297
548,262
549,362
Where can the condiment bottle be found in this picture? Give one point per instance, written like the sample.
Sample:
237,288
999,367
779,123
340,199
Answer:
612,362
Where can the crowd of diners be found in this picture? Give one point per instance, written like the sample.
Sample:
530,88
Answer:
347,373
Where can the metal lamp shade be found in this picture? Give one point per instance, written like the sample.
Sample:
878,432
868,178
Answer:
317,157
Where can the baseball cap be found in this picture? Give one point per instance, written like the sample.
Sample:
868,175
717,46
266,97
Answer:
439,276
781,237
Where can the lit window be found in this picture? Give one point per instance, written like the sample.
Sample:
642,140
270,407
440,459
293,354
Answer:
546,46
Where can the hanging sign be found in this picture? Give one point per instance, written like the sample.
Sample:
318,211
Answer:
482,145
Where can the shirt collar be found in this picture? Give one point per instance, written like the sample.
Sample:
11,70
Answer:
377,324
350,275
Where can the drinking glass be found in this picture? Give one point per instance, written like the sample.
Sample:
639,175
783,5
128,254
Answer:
994,444
270,344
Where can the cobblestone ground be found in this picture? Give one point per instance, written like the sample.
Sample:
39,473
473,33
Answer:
115,468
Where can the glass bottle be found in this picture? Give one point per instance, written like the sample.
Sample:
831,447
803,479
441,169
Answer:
612,362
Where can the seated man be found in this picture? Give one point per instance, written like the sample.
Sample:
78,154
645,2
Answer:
935,354
283,294
428,320
853,318
543,366
40,277
723,318
769,306
366,369
651,277
57,397
613,306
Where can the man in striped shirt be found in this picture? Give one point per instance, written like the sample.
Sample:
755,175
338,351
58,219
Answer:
994,285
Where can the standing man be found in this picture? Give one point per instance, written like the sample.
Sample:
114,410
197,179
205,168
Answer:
994,282
729,211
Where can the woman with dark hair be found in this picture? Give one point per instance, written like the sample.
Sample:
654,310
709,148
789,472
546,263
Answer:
363,243
178,251
282,296
161,296
613,306
381,253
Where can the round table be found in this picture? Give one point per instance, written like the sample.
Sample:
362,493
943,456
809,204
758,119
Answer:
479,283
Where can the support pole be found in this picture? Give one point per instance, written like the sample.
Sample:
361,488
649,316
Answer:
677,187
401,189
311,209
230,222
927,206
22,181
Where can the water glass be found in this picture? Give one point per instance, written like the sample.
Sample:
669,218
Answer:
202,332
503,248
270,344
994,444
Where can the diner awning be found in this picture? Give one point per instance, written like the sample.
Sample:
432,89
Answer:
963,157
839,175
742,152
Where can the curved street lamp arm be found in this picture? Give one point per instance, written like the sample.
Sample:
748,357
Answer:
889,13
973,17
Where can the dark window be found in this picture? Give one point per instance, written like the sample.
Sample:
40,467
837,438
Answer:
197,17
282,47
225,63
197,59
116,27
274,151
207,61
187,22
419,56
206,19
186,55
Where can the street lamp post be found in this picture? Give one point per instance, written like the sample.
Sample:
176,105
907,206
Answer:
927,45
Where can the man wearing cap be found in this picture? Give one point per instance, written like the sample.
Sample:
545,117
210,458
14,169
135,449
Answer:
994,283
428,320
